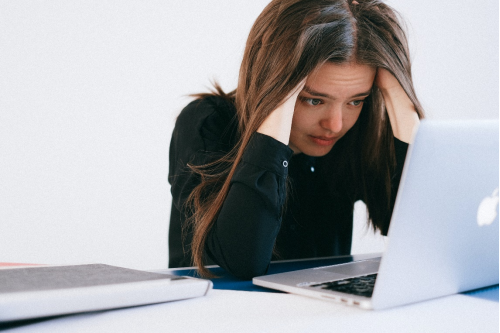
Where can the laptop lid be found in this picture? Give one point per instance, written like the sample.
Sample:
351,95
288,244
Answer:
443,237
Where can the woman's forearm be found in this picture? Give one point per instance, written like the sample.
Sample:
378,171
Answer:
243,236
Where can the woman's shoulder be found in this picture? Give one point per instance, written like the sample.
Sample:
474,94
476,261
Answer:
212,117
210,107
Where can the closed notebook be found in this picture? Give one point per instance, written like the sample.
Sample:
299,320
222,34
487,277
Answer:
41,291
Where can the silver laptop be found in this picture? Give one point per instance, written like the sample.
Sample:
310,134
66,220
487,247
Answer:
443,237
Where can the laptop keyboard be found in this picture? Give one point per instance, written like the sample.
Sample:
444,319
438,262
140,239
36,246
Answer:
361,285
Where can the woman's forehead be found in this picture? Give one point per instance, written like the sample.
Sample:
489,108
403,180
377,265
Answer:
348,77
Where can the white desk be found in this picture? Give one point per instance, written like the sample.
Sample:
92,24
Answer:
243,311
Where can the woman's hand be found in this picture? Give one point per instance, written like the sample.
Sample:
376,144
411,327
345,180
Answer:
279,122
402,115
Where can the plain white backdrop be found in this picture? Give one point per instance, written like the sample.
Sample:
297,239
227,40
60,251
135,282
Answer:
89,92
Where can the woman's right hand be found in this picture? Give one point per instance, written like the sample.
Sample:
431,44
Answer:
279,122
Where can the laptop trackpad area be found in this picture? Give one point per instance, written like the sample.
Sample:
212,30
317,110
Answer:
354,268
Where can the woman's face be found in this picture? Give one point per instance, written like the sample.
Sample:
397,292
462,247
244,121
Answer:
328,106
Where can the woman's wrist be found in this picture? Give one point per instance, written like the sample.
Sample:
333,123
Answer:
279,123
402,114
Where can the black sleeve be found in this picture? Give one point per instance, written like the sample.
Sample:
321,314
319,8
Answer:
242,238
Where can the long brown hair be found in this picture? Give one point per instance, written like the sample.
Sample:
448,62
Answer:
289,40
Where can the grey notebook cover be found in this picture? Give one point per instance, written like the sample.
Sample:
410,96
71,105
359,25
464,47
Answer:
40,291
62,277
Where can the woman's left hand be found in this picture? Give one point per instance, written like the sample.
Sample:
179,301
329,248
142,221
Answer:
402,115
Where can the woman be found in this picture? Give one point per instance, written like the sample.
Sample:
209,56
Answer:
321,117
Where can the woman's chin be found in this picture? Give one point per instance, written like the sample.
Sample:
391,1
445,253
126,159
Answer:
315,150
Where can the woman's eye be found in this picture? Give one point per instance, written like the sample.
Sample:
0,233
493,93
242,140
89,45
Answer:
356,103
312,101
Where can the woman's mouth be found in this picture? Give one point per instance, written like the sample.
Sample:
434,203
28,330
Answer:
323,140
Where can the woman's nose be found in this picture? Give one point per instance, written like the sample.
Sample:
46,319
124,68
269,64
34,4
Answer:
333,121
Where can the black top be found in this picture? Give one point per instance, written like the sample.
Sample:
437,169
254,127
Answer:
315,220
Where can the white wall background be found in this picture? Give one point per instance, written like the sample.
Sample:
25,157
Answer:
89,91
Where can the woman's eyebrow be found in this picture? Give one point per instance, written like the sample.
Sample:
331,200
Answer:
320,94
363,94
316,93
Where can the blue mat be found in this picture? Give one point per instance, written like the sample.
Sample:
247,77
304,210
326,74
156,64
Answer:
488,293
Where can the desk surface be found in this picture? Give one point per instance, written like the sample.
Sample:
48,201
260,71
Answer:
243,311
239,310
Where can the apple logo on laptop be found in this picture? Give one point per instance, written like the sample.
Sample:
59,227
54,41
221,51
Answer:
487,210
